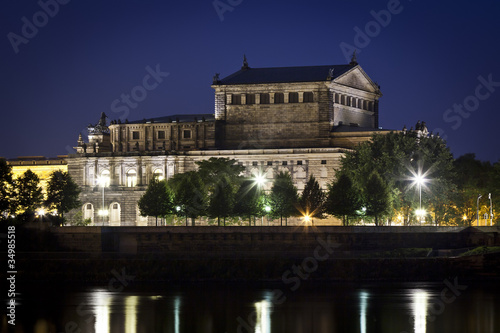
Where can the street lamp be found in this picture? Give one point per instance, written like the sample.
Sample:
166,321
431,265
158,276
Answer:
103,181
267,209
41,213
259,180
491,209
419,179
479,196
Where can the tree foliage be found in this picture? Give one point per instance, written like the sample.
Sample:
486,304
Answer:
283,196
157,201
189,194
312,199
28,193
343,199
249,200
377,198
62,193
6,189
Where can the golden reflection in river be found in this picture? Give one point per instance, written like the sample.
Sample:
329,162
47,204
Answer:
263,310
101,301
419,305
363,301
131,314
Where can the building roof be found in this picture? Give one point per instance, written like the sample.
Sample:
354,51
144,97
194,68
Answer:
178,118
248,75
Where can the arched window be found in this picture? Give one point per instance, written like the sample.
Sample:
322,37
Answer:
104,178
88,211
158,174
115,212
131,178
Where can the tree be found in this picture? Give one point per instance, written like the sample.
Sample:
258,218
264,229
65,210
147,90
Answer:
6,189
377,197
189,194
249,200
343,199
222,199
157,200
395,157
283,196
312,199
222,180
62,193
28,191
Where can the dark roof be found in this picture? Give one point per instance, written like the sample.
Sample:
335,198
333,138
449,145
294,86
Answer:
285,74
179,118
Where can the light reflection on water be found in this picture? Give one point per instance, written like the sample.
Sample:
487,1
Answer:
410,309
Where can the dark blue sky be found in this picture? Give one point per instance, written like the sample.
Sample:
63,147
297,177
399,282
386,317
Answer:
428,57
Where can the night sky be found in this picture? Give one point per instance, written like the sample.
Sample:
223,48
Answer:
427,56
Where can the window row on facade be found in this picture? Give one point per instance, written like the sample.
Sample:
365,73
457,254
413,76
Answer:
354,102
271,98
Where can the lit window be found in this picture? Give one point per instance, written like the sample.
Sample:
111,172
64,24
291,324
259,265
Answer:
104,178
131,178
158,174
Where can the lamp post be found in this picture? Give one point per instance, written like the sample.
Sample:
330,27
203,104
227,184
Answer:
103,212
479,196
491,210
419,179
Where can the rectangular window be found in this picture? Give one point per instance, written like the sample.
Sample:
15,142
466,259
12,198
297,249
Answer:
255,164
323,161
308,97
236,99
279,98
284,163
89,206
299,162
161,134
186,134
293,97
135,135
115,206
250,99
270,163
264,98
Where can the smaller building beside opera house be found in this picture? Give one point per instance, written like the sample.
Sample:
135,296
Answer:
295,119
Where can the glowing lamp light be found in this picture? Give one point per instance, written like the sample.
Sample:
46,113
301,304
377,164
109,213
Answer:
267,209
178,208
307,218
41,212
102,212
260,180
464,217
420,212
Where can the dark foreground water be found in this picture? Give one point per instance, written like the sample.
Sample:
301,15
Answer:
451,306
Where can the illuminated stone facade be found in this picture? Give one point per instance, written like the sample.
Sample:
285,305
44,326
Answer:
39,165
295,119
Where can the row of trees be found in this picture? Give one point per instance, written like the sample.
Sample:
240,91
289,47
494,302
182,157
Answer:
23,196
380,176
376,183
218,190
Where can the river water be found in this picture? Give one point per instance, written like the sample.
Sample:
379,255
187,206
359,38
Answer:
450,306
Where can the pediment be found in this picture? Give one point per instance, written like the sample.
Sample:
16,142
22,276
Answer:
357,78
